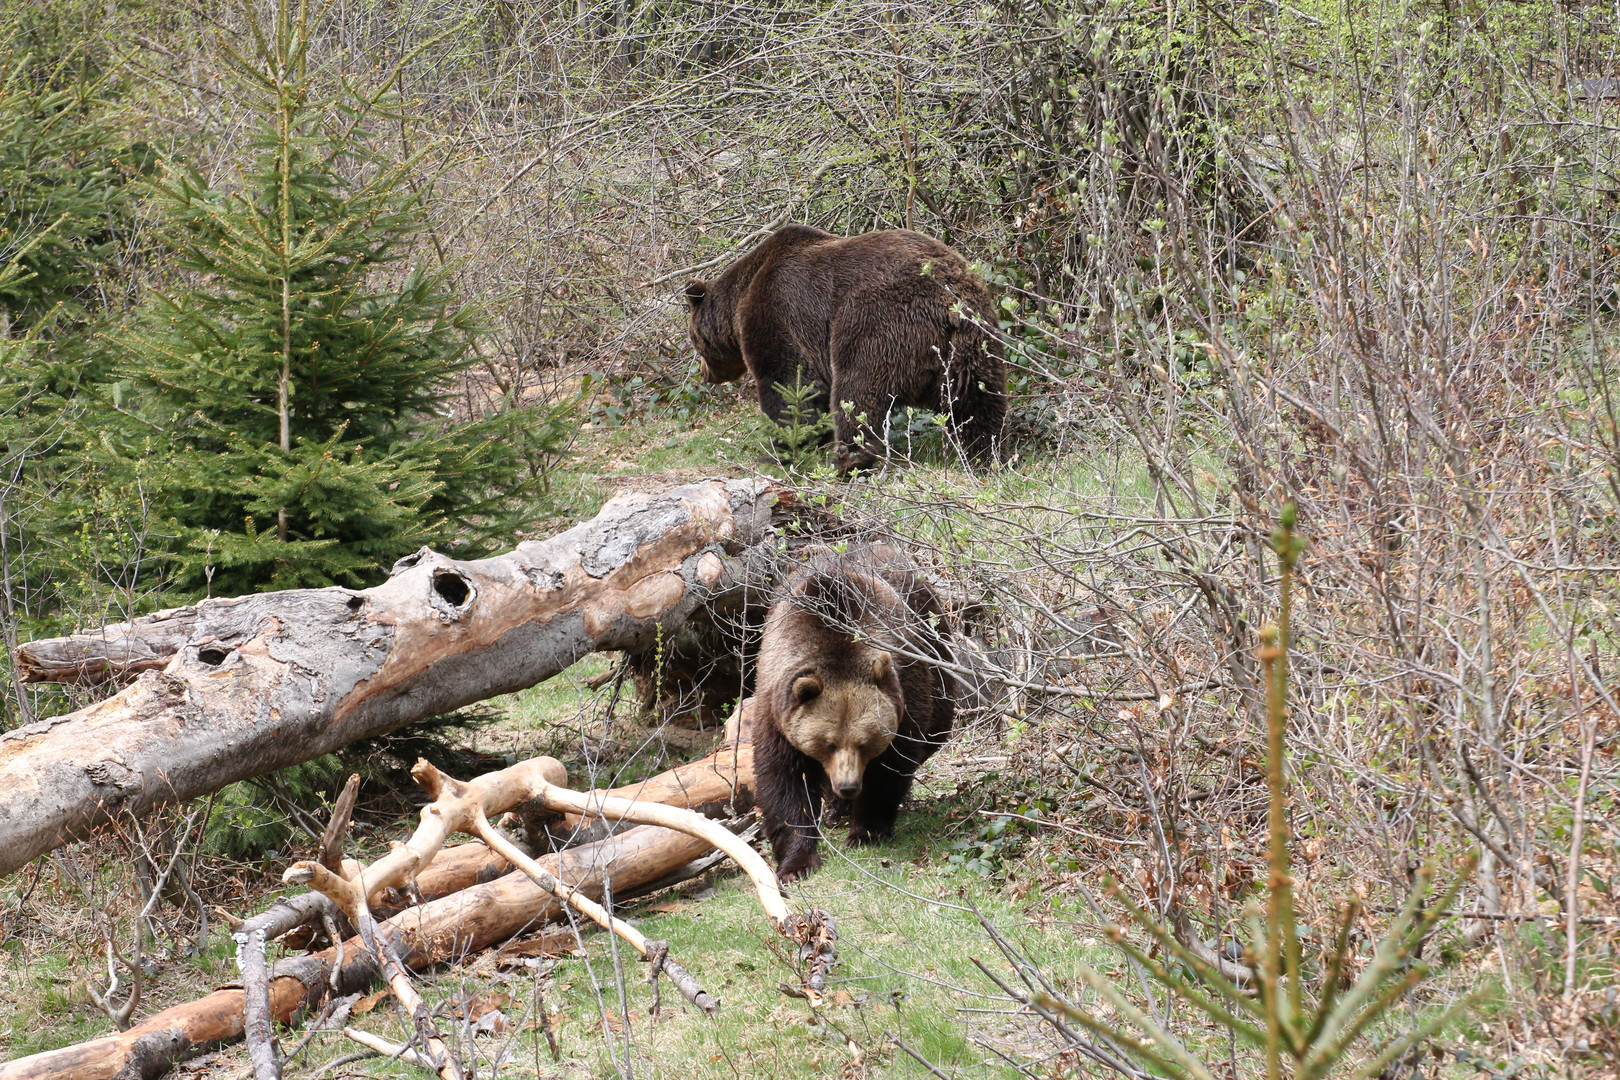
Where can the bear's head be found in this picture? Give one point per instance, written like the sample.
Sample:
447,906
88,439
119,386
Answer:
843,715
836,690
713,335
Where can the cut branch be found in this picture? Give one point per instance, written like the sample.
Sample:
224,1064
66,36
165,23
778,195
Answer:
267,681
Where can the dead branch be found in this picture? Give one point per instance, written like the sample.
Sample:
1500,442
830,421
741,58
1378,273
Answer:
454,925
389,1049
659,959
338,828
117,651
613,808
456,807
256,1005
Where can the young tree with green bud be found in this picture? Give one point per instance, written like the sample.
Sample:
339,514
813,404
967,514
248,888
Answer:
295,387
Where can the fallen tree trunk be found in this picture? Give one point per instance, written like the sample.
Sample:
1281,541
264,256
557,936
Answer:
468,908
267,681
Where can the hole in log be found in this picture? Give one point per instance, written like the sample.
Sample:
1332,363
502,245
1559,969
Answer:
212,655
452,587
356,602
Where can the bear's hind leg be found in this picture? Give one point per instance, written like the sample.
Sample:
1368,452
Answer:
858,423
974,395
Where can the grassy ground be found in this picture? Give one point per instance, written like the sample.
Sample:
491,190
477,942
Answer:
908,915
905,966
907,936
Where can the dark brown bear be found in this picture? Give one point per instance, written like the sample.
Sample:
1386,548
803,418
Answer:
849,702
878,321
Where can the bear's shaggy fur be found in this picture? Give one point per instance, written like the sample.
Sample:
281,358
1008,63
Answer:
877,321
845,708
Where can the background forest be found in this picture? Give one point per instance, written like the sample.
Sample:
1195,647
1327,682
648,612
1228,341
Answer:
286,296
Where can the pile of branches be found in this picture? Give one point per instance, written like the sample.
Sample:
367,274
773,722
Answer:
232,688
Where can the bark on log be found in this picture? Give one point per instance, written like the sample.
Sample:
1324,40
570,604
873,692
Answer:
116,651
272,680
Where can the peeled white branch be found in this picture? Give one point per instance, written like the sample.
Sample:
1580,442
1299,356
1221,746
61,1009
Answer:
653,952
589,804
456,806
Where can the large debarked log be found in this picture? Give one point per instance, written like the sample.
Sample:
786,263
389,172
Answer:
267,681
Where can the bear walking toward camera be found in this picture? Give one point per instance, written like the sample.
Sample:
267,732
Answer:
875,322
847,708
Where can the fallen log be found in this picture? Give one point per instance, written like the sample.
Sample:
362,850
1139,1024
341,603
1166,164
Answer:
267,681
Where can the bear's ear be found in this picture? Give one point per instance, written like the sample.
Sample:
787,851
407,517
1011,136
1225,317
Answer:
695,291
806,688
882,665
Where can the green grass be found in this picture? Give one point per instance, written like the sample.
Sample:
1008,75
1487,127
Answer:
557,701
906,939
44,1003
718,442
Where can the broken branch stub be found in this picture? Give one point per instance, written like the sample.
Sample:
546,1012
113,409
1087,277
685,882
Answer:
117,651
263,682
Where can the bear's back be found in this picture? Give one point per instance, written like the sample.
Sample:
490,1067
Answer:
798,262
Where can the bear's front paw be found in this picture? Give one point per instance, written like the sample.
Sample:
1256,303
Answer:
861,837
795,867
848,460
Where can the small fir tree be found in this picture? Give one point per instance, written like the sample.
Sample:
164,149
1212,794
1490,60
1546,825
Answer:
65,210
796,441
293,392
68,235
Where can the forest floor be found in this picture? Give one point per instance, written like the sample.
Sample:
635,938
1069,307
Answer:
908,912
908,915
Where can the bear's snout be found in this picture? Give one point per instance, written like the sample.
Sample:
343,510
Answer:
844,773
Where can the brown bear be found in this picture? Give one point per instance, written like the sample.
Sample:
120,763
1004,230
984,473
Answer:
850,700
874,322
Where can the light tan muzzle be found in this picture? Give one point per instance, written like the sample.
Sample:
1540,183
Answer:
844,773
